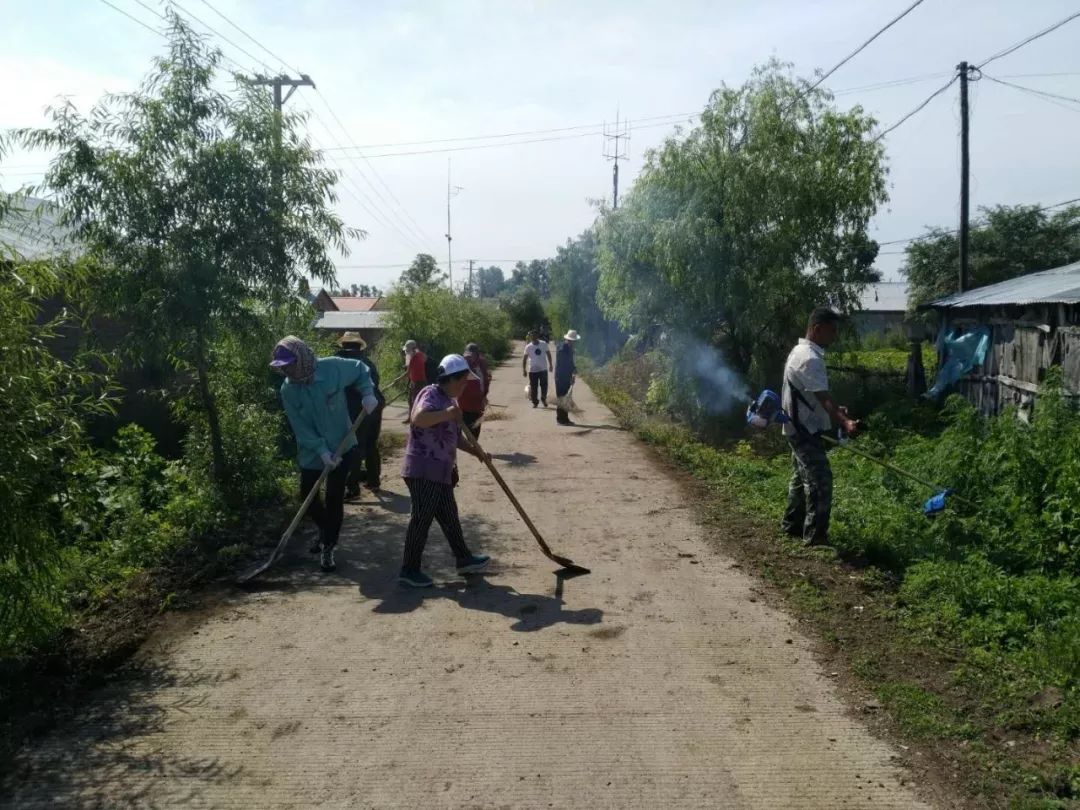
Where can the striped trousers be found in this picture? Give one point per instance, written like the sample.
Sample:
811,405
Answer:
432,501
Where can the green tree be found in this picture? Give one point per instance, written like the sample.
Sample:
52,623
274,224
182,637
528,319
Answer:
423,273
490,282
203,215
575,275
735,230
1012,241
525,309
532,274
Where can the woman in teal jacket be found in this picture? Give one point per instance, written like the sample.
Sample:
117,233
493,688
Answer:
314,398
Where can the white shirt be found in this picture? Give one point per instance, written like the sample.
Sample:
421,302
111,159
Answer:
537,354
805,369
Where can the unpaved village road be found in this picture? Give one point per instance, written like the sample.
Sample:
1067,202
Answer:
657,682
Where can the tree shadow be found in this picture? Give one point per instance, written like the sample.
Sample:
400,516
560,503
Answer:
105,757
583,429
515,459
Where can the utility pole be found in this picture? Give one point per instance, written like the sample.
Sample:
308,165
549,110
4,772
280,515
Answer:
965,172
470,276
451,191
617,153
278,83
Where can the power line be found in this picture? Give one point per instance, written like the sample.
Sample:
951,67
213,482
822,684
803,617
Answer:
979,225
1029,39
220,35
239,68
1033,91
249,36
133,18
918,109
411,224
863,47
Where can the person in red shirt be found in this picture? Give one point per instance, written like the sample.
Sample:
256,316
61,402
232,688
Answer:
416,363
473,399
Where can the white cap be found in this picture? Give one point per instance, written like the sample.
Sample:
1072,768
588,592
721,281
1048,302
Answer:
454,364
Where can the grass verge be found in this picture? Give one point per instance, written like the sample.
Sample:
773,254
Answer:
974,725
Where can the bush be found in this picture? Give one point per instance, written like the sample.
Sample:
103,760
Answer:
524,309
442,323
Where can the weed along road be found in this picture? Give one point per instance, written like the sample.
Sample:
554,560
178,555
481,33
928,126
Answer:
659,680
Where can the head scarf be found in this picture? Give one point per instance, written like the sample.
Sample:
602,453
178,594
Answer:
305,358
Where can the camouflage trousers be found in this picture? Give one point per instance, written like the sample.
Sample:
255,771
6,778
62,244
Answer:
809,491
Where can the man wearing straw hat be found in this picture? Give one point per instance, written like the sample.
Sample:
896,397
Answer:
565,375
366,462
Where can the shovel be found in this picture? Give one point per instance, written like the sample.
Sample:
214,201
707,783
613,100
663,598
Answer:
279,550
565,562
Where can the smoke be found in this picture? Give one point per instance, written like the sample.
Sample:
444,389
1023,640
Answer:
720,388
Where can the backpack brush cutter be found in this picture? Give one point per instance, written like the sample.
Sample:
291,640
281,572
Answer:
768,409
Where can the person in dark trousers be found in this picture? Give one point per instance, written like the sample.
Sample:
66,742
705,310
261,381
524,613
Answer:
565,374
430,472
535,364
416,366
812,409
313,395
473,400
367,462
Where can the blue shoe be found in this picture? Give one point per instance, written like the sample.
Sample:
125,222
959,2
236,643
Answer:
473,564
415,579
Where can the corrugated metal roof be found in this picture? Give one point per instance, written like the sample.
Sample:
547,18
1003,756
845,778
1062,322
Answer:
1058,286
341,321
885,296
354,303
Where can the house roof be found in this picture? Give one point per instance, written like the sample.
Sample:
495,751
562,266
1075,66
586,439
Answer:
354,304
342,321
885,296
30,227
1058,286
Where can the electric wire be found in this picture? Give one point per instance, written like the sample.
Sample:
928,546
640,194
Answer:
917,109
1029,39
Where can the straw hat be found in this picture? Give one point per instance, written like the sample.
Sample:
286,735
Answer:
572,335
353,338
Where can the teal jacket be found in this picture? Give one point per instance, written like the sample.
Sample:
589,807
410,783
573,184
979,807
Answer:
317,410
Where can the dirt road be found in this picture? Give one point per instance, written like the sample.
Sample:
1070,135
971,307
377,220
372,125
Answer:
658,681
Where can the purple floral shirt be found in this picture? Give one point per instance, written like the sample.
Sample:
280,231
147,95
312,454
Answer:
432,452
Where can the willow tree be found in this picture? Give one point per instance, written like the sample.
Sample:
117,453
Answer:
736,229
201,213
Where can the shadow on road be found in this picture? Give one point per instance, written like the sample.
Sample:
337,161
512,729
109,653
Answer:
515,459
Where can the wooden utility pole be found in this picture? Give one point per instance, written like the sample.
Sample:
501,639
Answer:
965,172
278,83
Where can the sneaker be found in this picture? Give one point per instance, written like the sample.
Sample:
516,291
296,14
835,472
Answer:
565,422
545,403
535,404
375,487
351,493
473,564
415,579
316,545
326,561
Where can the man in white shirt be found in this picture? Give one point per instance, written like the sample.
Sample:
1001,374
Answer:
812,409
535,364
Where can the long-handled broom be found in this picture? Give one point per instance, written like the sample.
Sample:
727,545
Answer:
279,550
565,562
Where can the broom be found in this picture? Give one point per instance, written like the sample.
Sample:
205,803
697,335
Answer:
279,550
568,564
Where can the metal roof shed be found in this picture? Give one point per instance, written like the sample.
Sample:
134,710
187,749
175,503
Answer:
1034,322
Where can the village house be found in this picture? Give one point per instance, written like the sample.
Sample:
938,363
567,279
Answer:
1033,323
340,314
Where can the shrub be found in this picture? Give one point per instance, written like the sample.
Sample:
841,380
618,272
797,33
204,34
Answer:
443,324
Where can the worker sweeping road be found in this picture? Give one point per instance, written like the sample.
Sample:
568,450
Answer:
565,375
313,395
473,400
367,461
430,472
812,409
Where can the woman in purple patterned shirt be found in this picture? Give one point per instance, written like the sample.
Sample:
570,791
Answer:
430,472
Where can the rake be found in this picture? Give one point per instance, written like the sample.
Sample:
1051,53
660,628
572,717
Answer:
279,550
565,562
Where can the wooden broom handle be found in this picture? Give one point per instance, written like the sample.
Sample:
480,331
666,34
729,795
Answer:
505,488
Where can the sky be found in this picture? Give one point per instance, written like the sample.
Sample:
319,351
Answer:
394,73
